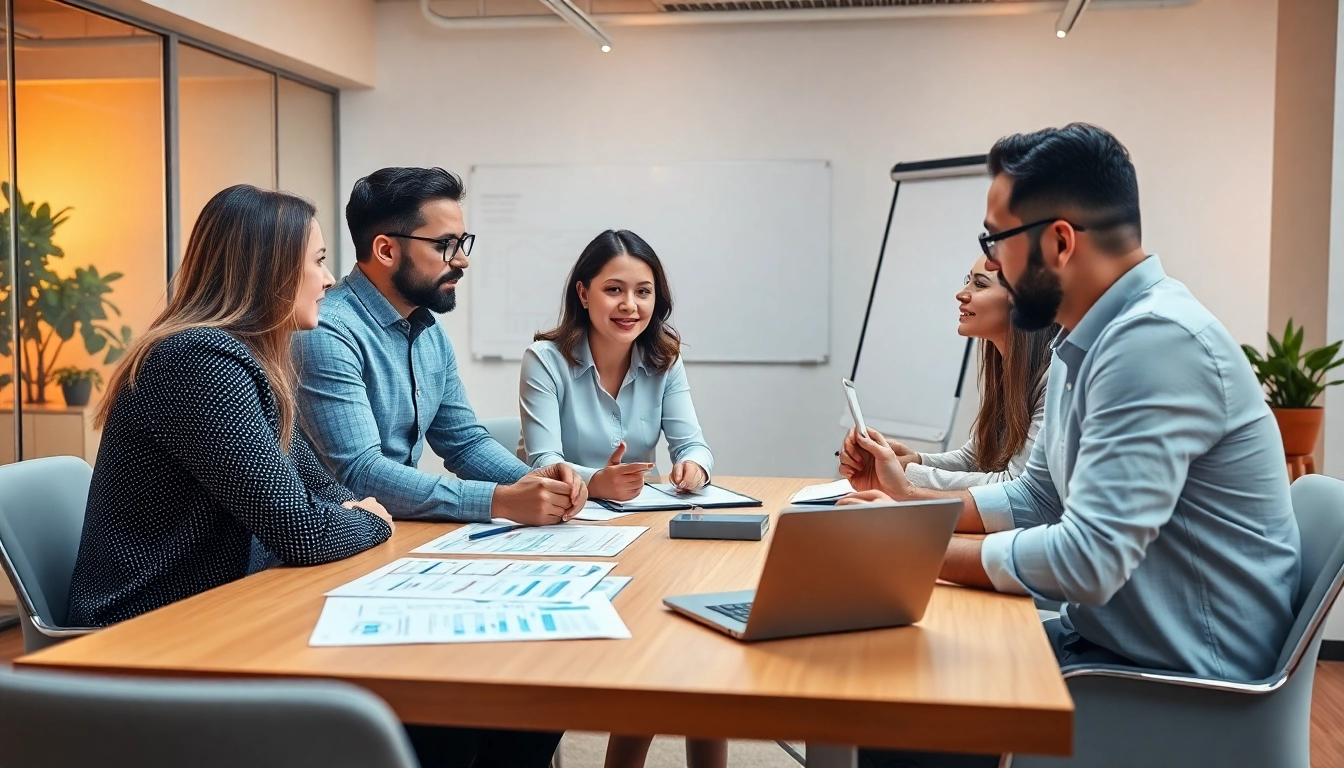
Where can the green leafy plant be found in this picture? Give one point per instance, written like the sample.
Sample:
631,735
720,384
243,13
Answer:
70,376
1293,378
52,309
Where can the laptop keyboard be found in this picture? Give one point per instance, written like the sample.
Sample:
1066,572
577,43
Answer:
738,611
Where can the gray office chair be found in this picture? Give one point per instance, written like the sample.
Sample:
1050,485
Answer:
1127,716
508,432
41,519
58,720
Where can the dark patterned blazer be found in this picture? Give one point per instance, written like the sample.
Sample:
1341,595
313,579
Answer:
192,489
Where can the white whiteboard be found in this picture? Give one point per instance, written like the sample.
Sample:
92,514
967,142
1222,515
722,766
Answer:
746,247
910,356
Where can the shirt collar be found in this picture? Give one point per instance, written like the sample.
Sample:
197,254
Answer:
1138,279
584,354
375,303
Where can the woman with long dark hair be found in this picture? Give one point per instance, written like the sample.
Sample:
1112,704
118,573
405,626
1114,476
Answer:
202,475
599,389
1013,365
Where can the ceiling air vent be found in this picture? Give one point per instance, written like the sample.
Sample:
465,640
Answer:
790,5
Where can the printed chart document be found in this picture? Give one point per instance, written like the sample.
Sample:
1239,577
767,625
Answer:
826,493
596,513
513,580
612,585
391,621
558,540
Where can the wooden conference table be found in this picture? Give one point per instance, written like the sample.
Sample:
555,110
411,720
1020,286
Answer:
977,674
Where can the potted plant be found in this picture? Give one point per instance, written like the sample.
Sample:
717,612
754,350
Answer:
52,309
1293,380
77,383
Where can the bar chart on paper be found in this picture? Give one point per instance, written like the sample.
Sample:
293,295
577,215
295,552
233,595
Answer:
514,580
385,621
558,540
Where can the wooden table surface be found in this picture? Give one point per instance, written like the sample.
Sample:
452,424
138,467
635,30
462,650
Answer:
976,675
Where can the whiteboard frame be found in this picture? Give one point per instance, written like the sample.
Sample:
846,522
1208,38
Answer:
951,167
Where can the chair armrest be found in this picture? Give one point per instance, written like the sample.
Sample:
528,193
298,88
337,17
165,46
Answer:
1162,677
49,631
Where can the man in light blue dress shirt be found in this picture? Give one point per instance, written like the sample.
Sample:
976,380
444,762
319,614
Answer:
378,377
1155,503
378,374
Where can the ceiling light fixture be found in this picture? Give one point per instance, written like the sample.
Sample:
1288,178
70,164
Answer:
1069,16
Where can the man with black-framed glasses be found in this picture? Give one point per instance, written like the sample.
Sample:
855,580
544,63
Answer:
378,378
1153,505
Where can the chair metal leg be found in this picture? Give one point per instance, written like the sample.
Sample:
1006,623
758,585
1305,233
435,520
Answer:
791,752
832,756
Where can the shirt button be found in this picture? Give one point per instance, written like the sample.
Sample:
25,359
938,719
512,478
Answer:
1069,386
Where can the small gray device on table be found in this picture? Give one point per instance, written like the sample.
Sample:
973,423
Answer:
690,525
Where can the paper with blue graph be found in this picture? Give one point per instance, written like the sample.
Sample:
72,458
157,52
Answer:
396,621
567,540
514,580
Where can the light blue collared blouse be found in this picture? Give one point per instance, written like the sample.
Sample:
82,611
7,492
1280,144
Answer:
568,416
1155,501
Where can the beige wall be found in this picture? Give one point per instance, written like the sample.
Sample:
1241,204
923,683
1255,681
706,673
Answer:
1304,88
330,41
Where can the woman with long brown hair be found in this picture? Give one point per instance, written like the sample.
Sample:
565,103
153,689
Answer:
202,475
1013,364
599,389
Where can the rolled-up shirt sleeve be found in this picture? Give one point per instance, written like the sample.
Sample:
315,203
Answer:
1142,427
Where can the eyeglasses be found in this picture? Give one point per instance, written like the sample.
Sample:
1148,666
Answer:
447,247
989,243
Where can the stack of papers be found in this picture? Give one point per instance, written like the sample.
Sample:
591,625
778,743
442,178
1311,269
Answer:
431,600
826,493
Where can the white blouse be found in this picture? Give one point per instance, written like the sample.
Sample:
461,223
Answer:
956,470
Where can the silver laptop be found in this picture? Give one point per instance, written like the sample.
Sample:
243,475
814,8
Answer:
837,569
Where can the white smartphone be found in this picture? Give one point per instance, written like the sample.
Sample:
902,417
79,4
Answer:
852,397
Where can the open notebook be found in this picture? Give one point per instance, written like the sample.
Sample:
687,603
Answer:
660,497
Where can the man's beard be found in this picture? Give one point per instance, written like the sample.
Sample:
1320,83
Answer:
1038,294
427,293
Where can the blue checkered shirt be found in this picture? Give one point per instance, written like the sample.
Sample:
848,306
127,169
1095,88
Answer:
372,384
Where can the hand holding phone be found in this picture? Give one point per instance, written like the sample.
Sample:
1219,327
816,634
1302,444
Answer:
852,397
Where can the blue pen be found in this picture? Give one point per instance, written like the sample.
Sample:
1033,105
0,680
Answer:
493,532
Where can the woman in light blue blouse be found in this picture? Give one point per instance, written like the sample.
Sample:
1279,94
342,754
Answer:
599,389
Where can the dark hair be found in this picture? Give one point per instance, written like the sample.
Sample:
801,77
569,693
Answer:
240,273
1012,385
659,344
1079,171
389,200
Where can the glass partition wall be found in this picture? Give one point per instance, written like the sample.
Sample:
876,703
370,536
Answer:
117,133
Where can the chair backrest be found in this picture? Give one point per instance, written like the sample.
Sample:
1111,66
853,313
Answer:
508,432
58,720
1318,504
41,518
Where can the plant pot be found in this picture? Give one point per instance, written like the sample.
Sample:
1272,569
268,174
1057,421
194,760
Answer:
78,394
1300,428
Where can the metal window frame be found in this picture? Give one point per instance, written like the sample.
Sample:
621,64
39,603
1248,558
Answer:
171,125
